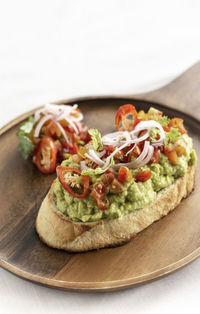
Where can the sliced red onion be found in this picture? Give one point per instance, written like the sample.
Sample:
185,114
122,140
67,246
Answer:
66,110
136,163
38,114
40,124
147,159
60,112
116,138
54,109
83,165
70,122
160,142
77,118
63,132
108,159
94,157
102,153
147,125
79,126
138,140
123,139
130,150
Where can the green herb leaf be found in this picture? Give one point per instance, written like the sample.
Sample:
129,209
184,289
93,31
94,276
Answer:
172,136
25,146
26,127
96,139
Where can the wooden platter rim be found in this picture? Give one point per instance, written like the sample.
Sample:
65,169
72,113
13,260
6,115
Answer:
138,98
100,286
106,285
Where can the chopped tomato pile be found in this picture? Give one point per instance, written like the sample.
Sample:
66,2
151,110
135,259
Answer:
118,158
51,135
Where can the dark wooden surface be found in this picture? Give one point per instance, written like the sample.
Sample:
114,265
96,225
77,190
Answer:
162,248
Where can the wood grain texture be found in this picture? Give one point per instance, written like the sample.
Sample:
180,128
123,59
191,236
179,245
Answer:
182,93
165,246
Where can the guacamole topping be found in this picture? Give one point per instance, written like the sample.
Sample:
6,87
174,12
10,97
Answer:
136,191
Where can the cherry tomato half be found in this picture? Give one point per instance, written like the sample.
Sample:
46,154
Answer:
116,187
143,175
173,157
103,203
122,121
46,155
108,178
124,174
73,181
99,193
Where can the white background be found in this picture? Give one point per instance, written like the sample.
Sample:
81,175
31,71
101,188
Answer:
51,50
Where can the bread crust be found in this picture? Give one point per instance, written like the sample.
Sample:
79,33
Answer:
58,231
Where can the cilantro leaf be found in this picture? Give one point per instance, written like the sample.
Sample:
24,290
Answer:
26,127
96,139
25,146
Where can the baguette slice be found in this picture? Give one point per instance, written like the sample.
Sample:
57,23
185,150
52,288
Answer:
58,231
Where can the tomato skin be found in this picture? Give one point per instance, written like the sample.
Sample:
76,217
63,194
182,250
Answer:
103,203
136,151
116,187
174,151
45,143
99,189
173,157
180,150
143,175
178,123
73,148
67,126
121,115
166,128
109,150
156,156
99,193
168,148
108,178
120,155
138,120
85,136
85,181
124,174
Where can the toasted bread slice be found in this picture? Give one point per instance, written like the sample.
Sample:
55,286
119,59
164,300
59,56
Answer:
58,231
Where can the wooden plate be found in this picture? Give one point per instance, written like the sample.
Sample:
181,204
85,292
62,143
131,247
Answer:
162,248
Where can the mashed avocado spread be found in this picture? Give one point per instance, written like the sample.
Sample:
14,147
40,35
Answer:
136,195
